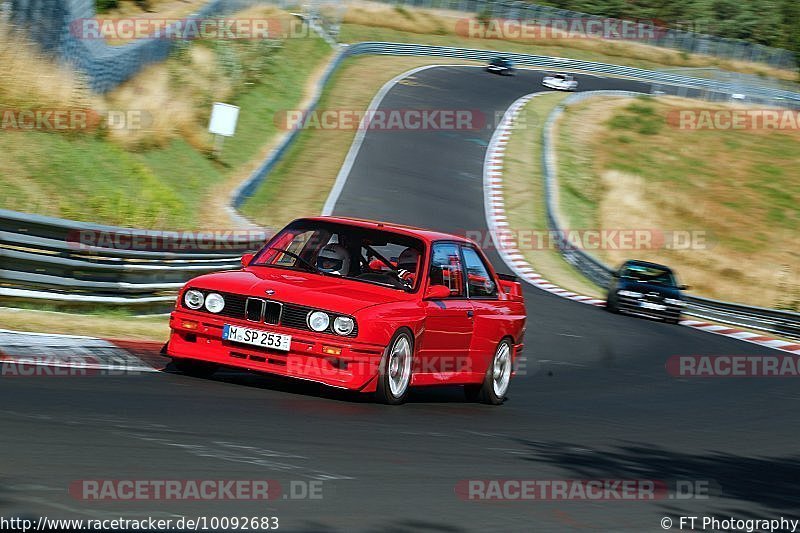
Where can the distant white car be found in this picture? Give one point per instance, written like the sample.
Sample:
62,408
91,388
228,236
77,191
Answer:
560,82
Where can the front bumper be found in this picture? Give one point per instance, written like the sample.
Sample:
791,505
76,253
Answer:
198,336
633,306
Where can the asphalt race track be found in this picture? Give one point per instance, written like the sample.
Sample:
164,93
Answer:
595,402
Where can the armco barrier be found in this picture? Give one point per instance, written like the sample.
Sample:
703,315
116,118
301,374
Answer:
67,261
780,322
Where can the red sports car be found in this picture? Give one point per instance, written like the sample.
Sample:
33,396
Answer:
366,306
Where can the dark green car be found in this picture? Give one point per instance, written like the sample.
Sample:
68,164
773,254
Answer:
501,65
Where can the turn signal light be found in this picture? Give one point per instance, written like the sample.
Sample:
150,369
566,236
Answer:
189,324
332,350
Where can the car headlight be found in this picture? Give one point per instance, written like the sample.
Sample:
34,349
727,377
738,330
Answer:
193,299
343,325
318,321
673,301
630,294
215,302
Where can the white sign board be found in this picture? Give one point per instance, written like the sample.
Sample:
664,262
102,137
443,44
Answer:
223,119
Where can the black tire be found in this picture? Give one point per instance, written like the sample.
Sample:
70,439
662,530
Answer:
485,392
384,392
197,369
611,304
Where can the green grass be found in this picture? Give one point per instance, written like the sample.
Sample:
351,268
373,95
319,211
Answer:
523,195
284,170
88,177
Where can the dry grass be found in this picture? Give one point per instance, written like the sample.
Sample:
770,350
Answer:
524,200
31,80
175,96
167,95
301,183
155,8
446,23
121,327
737,187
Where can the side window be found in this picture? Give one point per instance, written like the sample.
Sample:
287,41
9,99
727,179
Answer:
446,268
479,282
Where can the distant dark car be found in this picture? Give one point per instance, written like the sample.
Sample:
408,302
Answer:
501,65
647,289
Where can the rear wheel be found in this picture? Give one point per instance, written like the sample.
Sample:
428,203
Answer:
198,369
394,373
497,378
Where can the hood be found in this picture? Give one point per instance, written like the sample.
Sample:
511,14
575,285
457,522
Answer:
638,286
303,288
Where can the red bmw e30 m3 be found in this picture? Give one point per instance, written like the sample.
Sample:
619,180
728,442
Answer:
361,305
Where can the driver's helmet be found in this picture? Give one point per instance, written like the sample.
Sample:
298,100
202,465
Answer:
334,259
408,260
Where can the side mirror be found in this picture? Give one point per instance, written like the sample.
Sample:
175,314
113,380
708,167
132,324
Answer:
437,292
247,259
684,287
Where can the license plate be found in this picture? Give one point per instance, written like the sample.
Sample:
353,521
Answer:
257,337
655,307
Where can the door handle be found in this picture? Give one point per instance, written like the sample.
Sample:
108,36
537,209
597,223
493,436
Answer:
470,313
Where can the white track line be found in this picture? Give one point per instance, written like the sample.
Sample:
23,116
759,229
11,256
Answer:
363,127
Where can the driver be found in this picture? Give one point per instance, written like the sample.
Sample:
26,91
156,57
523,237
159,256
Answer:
334,259
407,266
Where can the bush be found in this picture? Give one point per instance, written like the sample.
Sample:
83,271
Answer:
484,16
104,5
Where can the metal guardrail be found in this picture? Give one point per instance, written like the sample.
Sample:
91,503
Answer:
45,258
780,322
564,63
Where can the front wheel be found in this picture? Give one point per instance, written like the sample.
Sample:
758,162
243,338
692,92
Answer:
497,378
394,373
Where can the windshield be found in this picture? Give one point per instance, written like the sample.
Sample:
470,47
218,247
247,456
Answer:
648,274
361,254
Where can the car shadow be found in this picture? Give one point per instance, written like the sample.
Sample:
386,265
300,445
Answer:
452,394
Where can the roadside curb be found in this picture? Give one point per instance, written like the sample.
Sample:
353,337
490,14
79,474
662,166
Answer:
496,218
77,351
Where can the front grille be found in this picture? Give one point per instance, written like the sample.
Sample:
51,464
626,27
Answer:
234,305
270,312
254,309
294,316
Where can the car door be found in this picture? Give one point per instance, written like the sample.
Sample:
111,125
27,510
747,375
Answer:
445,343
483,294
